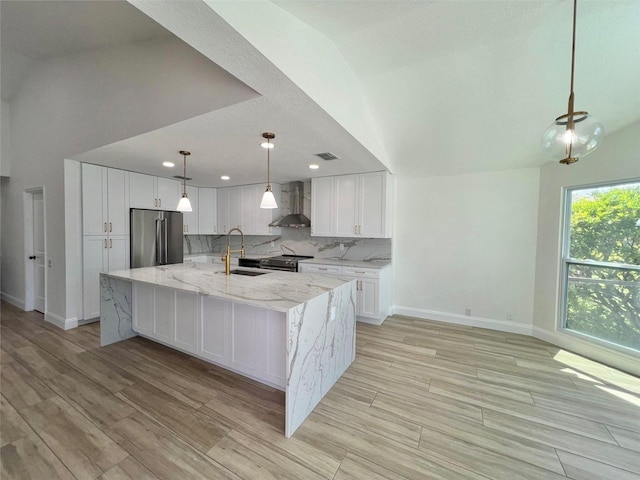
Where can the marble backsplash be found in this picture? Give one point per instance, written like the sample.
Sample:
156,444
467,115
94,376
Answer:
296,241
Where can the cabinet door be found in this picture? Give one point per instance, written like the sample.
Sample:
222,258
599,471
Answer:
164,313
223,210
235,207
207,211
250,206
372,204
118,201
245,324
215,319
118,253
322,206
368,298
168,193
94,261
346,195
94,200
190,219
142,191
186,322
143,308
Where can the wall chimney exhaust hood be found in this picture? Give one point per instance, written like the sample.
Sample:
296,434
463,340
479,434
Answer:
296,219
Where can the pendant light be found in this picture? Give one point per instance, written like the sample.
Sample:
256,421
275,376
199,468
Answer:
184,205
575,134
268,200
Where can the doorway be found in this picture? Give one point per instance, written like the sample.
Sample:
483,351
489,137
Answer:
35,252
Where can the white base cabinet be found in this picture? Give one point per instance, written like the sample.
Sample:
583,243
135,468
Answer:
373,288
242,338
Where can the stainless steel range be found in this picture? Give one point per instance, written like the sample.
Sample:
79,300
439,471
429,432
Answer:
288,263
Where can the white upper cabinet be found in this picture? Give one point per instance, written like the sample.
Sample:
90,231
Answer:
147,191
207,211
190,219
240,207
322,206
168,193
346,213
223,210
118,201
105,201
235,206
142,191
374,205
352,205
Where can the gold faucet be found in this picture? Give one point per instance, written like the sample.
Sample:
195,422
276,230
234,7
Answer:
226,257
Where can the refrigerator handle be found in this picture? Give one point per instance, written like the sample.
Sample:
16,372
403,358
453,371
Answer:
158,241
166,241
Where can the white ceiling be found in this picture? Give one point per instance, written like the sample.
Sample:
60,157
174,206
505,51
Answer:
458,87
455,87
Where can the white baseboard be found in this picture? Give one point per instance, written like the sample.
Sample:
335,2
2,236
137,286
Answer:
371,321
620,360
63,323
15,301
456,319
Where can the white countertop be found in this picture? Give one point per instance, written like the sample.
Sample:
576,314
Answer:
275,290
348,263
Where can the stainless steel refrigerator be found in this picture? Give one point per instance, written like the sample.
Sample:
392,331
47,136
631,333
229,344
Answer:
156,237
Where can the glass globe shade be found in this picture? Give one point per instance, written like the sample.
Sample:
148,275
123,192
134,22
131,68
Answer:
585,136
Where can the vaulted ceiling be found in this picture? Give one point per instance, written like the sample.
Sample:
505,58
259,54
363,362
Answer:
422,88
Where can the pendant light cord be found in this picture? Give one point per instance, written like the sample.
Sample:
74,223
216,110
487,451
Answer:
268,165
570,123
184,176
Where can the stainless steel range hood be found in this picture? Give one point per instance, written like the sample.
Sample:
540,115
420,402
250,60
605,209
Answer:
296,219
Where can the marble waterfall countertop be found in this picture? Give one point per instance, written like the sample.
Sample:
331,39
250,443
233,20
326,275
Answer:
280,291
348,263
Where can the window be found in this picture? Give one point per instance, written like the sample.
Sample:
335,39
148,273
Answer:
601,258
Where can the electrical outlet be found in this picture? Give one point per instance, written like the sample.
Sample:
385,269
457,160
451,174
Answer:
342,247
467,312
509,315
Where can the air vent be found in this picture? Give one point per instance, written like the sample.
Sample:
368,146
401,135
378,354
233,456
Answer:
182,178
327,156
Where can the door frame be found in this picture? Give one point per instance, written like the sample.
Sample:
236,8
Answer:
29,290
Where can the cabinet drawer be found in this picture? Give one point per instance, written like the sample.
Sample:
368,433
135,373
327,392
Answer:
323,269
361,272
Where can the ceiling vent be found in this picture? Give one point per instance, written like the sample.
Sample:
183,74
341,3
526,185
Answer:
182,178
327,156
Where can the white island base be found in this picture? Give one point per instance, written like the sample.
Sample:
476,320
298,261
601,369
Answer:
291,331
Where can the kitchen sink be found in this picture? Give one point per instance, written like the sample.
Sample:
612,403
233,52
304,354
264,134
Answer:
248,273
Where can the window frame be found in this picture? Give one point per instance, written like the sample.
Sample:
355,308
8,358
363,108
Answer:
566,261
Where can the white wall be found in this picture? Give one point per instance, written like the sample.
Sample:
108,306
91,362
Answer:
617,159
5,140
467,241
68,105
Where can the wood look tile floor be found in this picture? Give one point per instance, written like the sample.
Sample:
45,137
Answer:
424,400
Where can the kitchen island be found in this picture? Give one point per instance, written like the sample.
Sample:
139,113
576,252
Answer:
292,331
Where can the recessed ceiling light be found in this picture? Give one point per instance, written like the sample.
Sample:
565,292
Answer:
225,177
313,166
168,164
